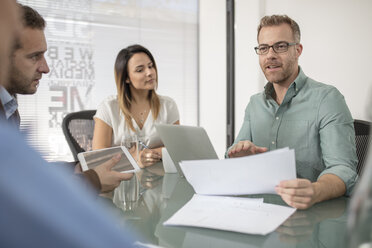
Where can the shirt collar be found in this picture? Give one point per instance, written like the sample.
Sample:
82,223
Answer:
297,84
9,102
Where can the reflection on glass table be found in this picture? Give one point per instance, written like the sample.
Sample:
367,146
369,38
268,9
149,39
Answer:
321,225
141,201
160,196
130,193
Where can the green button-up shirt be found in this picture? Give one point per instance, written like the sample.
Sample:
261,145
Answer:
314,120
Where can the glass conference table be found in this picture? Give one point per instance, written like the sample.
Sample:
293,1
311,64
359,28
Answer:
152,197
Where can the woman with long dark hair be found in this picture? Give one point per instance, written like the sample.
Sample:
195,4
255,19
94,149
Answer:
136,108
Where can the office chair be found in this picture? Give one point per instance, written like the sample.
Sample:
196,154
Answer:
78,130
362,140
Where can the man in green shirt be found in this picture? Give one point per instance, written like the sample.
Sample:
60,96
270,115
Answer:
297,112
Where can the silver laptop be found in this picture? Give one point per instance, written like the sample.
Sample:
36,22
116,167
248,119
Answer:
186,143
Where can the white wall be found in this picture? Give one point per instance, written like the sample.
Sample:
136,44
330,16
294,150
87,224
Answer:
337,38
212,71
336,35
248,76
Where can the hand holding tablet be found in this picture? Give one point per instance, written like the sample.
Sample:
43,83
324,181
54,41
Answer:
91,159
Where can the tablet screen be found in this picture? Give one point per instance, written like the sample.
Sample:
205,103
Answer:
94,158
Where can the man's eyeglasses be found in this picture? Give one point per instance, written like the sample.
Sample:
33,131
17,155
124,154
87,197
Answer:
279,47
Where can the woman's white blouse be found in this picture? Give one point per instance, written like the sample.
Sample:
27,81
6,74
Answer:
109,112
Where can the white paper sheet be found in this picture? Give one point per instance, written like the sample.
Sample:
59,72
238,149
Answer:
255,174
244,215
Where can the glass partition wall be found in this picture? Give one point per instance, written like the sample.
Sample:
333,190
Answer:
84,37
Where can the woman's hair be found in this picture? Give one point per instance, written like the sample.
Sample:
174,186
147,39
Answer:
124,93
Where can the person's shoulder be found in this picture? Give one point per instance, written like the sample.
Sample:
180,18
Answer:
12,144
321,88
8,132
110,101
108,105
258,96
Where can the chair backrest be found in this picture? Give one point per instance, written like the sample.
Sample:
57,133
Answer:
78,130
362,140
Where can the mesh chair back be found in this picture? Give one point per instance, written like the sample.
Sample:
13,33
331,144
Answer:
362,140
78,130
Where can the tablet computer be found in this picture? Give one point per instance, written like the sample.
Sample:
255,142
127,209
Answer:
91,159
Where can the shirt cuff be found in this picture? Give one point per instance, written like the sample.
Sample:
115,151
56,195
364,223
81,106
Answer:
92,177
346,174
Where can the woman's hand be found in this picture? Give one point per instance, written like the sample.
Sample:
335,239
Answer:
149,157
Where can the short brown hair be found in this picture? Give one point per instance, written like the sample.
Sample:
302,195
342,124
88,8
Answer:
276,20
31,18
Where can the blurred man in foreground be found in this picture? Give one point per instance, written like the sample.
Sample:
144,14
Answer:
41,206
27,65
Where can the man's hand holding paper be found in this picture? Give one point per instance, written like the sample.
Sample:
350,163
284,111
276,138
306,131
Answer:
255,174
298,193
302,193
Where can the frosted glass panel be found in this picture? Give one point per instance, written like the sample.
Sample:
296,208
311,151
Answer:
84,37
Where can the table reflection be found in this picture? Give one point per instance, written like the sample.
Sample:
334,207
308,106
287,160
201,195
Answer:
322,225
142,200
153,197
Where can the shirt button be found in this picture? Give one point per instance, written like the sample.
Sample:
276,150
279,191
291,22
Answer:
273,142
277,118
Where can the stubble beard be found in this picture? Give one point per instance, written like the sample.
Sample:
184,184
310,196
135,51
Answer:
281,78
20,83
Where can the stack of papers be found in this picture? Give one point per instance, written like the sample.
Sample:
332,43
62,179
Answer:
244,215
256,174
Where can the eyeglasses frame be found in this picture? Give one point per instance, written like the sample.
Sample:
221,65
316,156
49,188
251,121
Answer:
272,46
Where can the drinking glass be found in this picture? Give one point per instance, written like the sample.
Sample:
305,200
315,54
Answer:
126,196
131,143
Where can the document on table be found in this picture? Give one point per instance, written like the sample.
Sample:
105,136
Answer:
255,174
244,215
